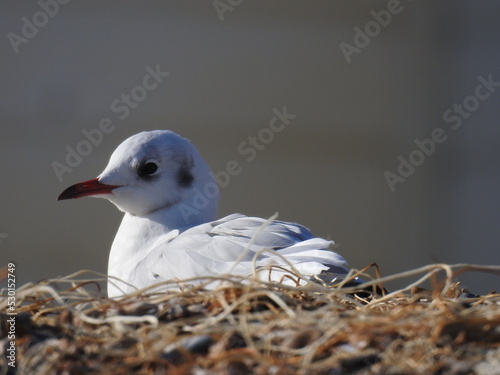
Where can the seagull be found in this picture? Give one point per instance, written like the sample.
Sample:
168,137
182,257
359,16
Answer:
170,230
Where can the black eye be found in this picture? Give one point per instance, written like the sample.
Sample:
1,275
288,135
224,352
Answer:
147,169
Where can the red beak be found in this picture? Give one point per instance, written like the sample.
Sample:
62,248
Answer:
84,189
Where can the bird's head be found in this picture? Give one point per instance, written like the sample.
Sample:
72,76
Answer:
151,171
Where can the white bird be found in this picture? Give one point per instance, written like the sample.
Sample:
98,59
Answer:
170,232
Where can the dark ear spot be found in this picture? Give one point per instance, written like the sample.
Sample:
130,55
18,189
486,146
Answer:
184,176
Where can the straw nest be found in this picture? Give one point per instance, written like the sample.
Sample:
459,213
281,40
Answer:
67,326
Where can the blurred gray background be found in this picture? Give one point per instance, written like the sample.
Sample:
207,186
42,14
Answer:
228,70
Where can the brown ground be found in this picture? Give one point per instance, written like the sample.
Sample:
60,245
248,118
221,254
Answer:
64,327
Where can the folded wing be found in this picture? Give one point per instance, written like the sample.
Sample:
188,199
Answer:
238,245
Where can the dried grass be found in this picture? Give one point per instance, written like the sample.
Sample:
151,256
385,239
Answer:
66,326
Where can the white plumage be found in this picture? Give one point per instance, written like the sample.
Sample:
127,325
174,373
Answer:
169,231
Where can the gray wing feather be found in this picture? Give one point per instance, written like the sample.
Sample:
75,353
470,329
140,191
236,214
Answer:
212,249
